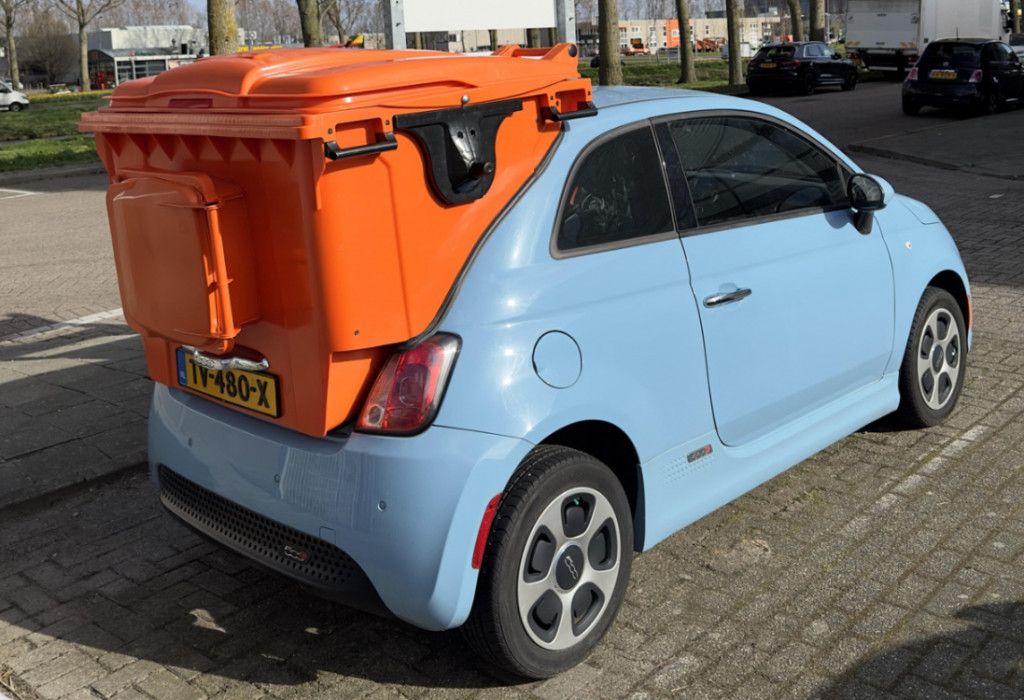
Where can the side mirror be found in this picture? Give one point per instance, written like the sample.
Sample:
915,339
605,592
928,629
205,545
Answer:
866,197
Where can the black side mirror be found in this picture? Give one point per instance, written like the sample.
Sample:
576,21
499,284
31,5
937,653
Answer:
866,197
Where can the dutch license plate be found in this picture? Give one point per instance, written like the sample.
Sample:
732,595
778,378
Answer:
767,65
252,390
943,74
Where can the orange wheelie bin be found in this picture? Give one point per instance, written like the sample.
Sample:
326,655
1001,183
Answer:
282,219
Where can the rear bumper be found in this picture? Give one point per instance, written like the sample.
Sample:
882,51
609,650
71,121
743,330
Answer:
384,524
954,95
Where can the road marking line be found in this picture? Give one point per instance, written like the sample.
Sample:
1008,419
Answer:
73,323
15,193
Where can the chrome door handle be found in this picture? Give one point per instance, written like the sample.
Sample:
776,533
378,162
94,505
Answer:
728,297
222,363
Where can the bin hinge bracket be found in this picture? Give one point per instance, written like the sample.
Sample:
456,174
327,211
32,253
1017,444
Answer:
458,144
385,142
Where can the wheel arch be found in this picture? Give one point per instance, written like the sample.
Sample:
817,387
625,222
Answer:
609,444
951,282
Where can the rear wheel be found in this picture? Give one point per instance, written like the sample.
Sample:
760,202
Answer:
910,108
15,107
989,103
932,373
556,565
810,84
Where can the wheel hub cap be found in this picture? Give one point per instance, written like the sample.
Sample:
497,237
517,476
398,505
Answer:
938,358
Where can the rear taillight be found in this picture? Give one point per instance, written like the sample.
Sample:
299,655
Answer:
789,64
912,75
976,76
408,390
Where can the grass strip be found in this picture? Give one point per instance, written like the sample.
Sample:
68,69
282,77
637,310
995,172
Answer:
45,153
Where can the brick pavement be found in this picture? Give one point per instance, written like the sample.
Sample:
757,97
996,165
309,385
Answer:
887,565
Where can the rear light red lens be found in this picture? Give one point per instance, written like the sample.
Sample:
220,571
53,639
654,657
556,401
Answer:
408,390
913,74
976,76
789,64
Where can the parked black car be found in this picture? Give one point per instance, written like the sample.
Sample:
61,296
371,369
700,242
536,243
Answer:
800,66
978,74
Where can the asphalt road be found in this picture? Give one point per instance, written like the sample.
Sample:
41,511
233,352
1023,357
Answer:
887,565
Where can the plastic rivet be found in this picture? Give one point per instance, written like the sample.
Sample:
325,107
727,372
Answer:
382,506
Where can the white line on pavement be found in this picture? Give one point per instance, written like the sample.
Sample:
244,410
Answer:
73,323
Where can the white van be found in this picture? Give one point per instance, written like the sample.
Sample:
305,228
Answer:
12,99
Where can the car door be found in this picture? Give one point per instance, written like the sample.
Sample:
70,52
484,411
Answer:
819,56
1011,75
796,306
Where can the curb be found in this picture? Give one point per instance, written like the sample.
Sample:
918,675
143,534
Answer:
20,176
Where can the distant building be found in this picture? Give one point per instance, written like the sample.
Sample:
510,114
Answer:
119,54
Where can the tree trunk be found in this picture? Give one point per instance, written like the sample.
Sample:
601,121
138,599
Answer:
533,38
796,20
492,35
610,72
83,52
687,69
12,52
732,19
818,21
309,18
1015,16
222,25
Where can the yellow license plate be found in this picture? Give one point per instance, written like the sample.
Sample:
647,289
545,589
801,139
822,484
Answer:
943,74
252,390
767,65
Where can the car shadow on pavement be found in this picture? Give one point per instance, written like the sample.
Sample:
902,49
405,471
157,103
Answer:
107,574
981,657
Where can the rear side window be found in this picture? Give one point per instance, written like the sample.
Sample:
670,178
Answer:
740,168
616,194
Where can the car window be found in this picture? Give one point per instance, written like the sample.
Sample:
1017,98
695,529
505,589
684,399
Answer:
957,55
990,54
739,168
814,50
617,193
776,53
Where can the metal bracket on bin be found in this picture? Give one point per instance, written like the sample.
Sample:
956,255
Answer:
459,146
385,142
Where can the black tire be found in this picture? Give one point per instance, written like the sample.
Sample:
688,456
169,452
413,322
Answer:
989,103
910,108
810,84
15,107
551,585
851,81
935,361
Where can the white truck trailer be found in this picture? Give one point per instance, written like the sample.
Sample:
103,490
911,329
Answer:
888,35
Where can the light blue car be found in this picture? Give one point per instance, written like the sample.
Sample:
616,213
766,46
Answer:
691,295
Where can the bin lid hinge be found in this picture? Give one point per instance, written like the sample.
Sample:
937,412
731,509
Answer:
459,146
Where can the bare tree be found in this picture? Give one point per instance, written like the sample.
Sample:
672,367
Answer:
610,72
47,45
82,13
732,22
143,12
796,19
586,11
687,70
346,16
309,18
10,9
817,20
223,26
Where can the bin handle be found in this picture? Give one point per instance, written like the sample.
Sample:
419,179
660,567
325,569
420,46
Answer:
223,363
385,142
